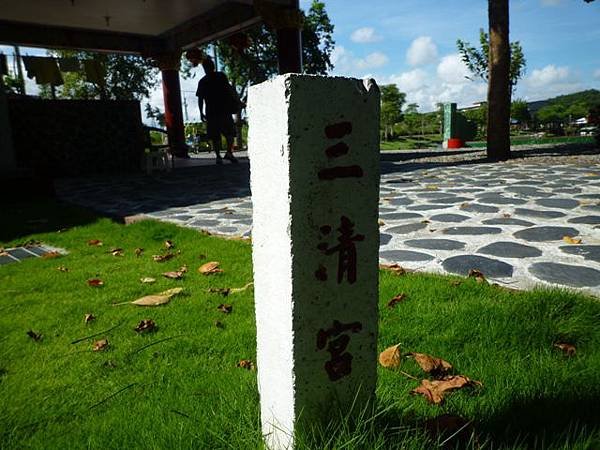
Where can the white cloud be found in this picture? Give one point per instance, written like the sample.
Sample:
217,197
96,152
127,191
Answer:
347,64
422,51
411,81
549,75
453,70
365,35
549,81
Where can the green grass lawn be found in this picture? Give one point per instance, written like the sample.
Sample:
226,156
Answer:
527,140
179,387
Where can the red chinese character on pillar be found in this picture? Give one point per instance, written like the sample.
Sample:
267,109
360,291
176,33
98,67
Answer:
338,131
346,250
340,363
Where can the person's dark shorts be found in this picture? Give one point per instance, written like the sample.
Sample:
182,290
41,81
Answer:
221,124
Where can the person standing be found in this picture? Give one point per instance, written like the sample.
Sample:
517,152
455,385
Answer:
217,101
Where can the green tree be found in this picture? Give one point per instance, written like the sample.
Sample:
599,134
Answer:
256,60
128,77
520,111
479,117
391,108
477,59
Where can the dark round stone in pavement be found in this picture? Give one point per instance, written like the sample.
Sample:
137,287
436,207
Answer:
399,216
500,200
526,191
592,207
508,221
449,218
204,223
471,231
244,222
465,190
384,239
408,228
589,252
452,200
400,201
542,214
510,250
383,209
576,276
544,234
426,207
435,195
405,255
589,220
562,203
589,196
436,244
475,207
492,268
568,191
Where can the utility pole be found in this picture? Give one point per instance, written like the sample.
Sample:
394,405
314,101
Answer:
19,70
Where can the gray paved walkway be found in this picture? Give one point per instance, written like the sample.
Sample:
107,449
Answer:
510,220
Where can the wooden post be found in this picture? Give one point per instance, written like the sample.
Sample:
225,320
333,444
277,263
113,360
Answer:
499,89
168,63
289,41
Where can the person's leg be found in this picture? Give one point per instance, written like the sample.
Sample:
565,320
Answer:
217,148
229,132
212,130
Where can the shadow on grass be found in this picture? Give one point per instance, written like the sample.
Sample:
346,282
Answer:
23,219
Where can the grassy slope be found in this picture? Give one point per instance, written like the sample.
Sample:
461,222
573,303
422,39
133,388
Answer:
187,392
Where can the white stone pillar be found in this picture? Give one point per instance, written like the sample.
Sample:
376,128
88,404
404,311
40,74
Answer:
314,162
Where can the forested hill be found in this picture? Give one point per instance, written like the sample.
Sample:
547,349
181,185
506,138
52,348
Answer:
588,98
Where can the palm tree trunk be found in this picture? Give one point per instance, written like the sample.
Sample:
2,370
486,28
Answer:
499,89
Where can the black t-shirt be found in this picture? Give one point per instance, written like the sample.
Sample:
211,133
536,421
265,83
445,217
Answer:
215,90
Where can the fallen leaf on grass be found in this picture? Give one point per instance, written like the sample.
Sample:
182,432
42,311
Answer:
572,240
35,336
225,308
51,255
397,299
173,275
145,326
391,357
242,289
210,268
100,346
95,282
89,318
148,280
245,364
567,349
432,365
434,391
95,242
138,251
395,268
62,269
117,252
169,244
157,299
478,275
163,258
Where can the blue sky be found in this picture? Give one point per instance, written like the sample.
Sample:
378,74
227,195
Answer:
413,43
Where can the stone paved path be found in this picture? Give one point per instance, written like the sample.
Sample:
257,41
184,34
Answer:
508,220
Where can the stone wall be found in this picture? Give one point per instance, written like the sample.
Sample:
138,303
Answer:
76,137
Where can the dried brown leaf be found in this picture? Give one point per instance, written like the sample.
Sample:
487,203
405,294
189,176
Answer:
210,268
95,282
572,240
35,336
148,280
391,357
245,364
145,326
434,391
163,258
395,268
100,346
117,252
397,299
478,275
89,318
567,349
157,299
169,245
225,308
432,365
138,251
62,269
51,255
173,275
95,242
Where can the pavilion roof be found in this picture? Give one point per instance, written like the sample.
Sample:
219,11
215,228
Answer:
128,26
